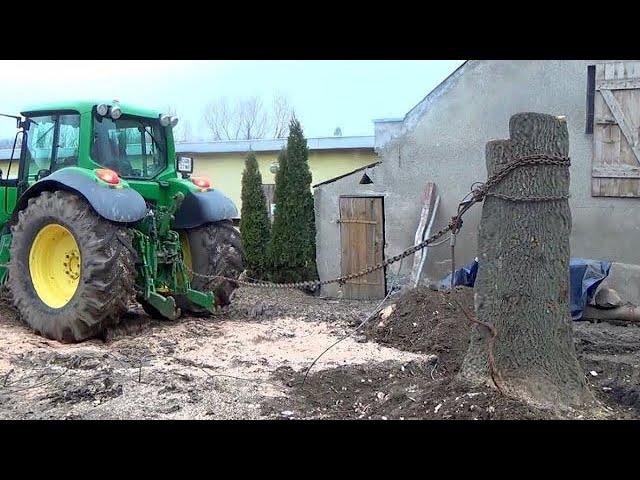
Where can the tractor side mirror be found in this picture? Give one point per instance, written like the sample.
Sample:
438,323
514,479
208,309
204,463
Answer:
185,166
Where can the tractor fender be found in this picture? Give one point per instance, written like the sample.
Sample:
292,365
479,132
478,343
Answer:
123,205
199,208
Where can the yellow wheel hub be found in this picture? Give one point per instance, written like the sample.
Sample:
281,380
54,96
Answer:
55,265
186,253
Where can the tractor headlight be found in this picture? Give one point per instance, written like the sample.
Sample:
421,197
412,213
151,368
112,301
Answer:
185,165
102,109
116,112
165,120
174,121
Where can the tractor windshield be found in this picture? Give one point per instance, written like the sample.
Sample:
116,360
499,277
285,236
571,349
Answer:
134,147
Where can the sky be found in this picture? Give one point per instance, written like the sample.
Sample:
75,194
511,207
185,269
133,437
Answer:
325,94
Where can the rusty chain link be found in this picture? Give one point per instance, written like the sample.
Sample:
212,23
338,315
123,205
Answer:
477,195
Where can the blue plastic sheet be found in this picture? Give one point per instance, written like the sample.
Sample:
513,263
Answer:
585,276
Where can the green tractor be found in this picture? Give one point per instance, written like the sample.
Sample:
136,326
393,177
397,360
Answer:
103,212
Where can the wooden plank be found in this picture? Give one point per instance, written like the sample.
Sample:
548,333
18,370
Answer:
616,171
426,220
618,187
609,71
602,118
381,290
371,222
610,141
428,232
629,130
618,84
345,242
629,101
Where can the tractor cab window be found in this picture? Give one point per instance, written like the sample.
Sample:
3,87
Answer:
51,143
133,147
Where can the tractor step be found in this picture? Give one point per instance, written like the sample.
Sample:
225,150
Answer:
166,306
5,244
202,299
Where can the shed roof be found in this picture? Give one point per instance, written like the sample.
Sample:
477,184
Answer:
365,167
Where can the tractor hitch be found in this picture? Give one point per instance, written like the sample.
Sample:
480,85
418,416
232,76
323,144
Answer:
162,273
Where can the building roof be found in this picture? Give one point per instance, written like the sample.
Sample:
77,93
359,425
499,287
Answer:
5,154
274,145
243,146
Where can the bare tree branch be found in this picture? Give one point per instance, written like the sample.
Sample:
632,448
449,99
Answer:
281,116
219,117
252,118
182,131
247,118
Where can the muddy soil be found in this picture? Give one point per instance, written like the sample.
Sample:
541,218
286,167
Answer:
248,362
424,321
610,356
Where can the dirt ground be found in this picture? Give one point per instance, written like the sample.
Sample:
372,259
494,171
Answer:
249,362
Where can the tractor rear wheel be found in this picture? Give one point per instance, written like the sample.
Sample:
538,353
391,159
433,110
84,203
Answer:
71,273
210,250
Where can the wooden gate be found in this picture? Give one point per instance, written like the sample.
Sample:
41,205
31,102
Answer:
362,245
616,142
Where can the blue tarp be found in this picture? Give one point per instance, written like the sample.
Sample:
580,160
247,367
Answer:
584,277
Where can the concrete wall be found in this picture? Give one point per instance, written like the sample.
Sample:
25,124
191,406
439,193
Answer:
443,141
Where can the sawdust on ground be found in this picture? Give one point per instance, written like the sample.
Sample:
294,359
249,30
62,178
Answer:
217,367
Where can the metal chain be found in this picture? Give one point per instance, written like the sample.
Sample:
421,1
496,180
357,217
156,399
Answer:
341,280
477,195
512,198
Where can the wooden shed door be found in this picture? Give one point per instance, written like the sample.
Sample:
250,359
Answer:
616,144
362,242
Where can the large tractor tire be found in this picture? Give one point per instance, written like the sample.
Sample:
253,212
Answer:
210,250
71,272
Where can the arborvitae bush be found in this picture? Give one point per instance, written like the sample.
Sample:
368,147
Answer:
254,221
292,251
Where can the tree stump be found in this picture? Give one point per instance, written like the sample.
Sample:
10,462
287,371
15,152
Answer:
522,286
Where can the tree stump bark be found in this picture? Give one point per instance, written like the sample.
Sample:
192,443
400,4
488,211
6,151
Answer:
522,287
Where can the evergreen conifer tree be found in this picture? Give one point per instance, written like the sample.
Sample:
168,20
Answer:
254,221
292,251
